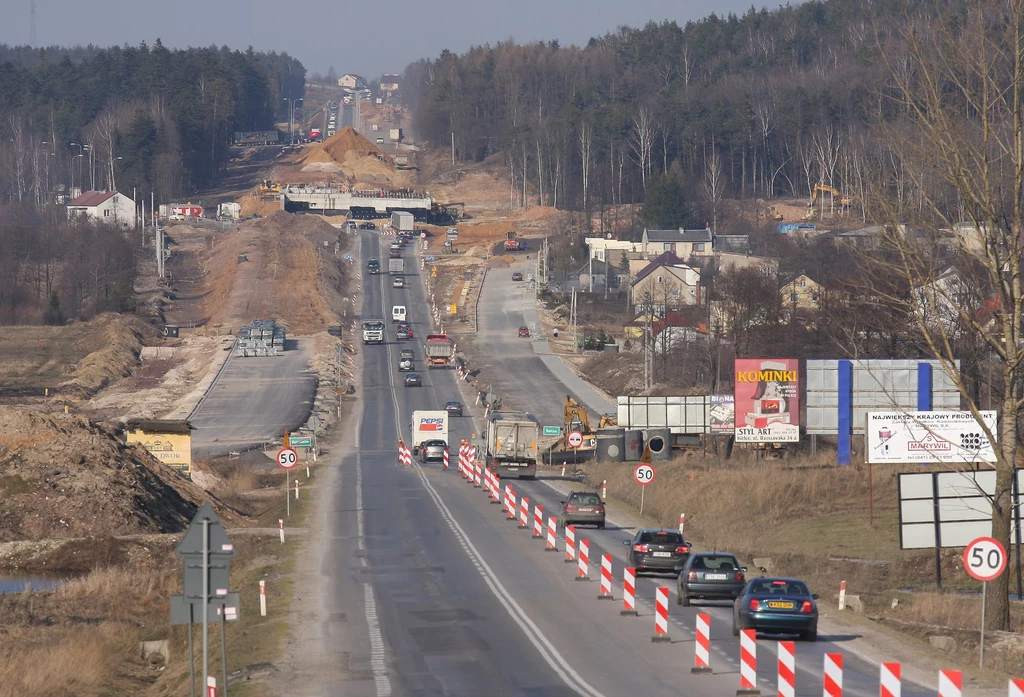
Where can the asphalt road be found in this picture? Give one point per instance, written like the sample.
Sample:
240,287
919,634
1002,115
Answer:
255,400
433,592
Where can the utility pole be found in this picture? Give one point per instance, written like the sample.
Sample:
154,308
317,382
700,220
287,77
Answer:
572,322
453,149
648,344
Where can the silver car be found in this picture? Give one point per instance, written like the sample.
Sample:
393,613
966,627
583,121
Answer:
432,449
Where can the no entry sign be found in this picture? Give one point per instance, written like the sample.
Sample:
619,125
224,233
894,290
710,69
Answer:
287,458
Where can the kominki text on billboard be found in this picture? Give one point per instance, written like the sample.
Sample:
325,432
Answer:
767,400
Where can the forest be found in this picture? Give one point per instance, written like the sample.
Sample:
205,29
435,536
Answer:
762,105
134,117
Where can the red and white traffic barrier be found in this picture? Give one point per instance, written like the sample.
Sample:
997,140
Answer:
211,686
583,567
702,647
842,595
889,684
661,615
463,450
606,578
404,455
951,683
834,675
263,598
444,459
477,474
570,544
787,669
511,505
552,543
472,453
524,512
748,663
538,522
682,522
495,488
1016,687
628,591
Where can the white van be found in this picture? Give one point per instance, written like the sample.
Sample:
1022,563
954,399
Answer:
398,313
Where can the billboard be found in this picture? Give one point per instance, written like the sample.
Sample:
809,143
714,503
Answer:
767,400
722,415
174,449
952,437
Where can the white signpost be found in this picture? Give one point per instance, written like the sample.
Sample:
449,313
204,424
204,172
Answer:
287,458
644,475
984,560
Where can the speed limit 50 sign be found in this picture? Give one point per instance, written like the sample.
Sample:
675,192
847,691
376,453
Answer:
985,559
287,458
644,474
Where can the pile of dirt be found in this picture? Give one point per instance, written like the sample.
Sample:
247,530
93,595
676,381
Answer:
339,147
62,476
121,338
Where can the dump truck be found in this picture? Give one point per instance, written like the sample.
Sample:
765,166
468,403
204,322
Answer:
373,331
438,350
511,447
396,266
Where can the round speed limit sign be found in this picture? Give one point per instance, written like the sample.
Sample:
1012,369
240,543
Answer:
287,458
985,559
644,474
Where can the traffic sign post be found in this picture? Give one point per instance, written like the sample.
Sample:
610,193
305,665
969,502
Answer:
574,439
984,560
644,475
552,430
287,458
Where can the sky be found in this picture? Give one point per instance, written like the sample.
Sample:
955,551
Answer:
367,37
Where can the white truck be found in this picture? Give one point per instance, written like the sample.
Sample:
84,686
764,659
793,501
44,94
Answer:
373,331
428,425
396,266
402,221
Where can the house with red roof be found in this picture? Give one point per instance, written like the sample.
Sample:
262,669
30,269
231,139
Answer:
107,207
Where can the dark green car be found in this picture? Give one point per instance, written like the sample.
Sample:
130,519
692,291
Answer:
777,605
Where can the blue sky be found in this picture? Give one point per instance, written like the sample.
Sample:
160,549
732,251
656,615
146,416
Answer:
368,37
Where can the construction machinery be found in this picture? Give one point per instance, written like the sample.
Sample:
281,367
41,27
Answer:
841,199
576,418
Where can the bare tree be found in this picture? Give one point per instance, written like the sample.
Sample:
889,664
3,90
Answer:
641,141
586,138
714,184
961,148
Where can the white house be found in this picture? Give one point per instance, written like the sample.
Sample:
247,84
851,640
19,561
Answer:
600,246
351,81
685,244
109,207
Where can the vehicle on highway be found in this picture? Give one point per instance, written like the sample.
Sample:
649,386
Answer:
583,508
453,408
524,331
398,282
776,605
380,140
373,331
407,327
516,276
710,576
396,266
407,353
413,380
404,364
428,425
398,313
511,448
401,334
658,551
394,253
438,350
373,266
367,226
433,449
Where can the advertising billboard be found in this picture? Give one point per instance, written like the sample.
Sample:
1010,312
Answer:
767,400
722,416
951,437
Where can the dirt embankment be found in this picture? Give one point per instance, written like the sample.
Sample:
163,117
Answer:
62,476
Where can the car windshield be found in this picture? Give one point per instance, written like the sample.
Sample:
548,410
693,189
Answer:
587,500
406,353
715,563
434,443
778,587
661,538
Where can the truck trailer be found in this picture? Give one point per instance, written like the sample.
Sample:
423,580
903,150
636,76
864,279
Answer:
428,425
396,266
438,350
511,448
402,221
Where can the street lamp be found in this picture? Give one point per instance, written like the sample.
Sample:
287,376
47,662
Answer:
291,113
81,153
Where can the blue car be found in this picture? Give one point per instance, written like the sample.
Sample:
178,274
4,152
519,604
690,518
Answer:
776,605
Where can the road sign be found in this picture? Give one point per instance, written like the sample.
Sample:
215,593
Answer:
644,474
552,430
182,610
985,559
192,542
287,458
300,441
574,439
433,272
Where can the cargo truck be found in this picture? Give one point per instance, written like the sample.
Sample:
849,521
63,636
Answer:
402,221
373,331
438,350
396,266
511,446
396,135
428,425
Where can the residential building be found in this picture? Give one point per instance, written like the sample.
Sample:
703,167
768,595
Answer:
351,81
601,248
389,84
728,260
685,244
665,284
108,207
801,291
602,274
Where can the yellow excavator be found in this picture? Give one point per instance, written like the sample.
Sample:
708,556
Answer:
577,419
841,199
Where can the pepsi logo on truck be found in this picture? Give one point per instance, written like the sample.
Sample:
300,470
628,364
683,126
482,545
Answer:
431,424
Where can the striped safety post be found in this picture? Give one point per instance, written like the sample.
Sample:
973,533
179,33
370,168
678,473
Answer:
444,459
462,458
606,578
787,668
889,684
628,591
524,512
471,449
583,567
951,683
833,686
552,543
570,544
487,481
538,522
702,646
748,664
476,476
508,493
661,616
495,488
1016,687
512,505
